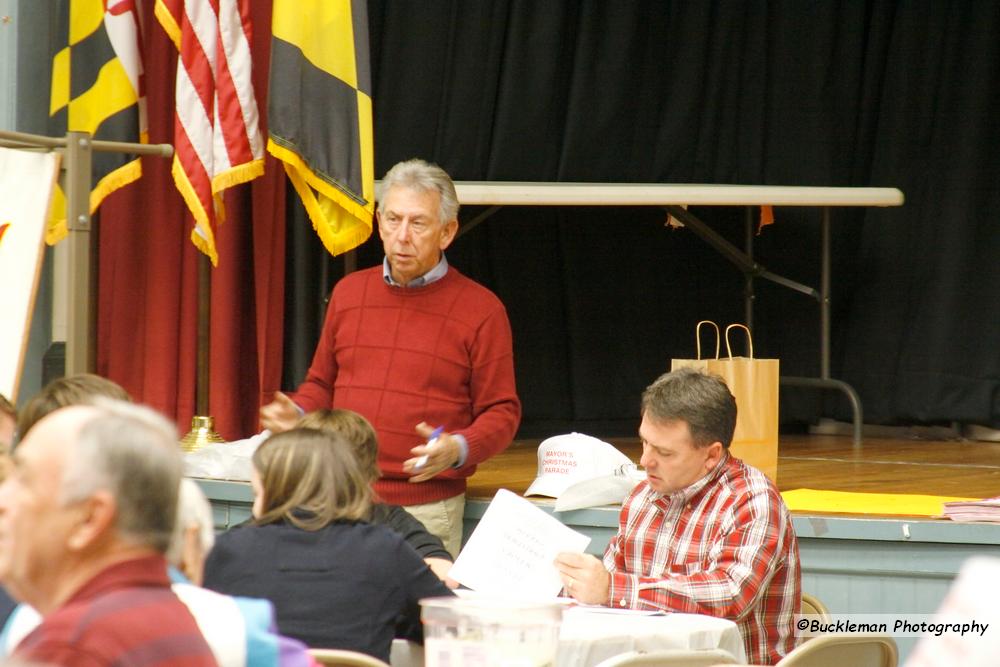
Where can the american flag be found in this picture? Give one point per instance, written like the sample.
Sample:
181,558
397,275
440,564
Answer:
217,140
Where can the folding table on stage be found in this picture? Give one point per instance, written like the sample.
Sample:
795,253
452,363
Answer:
674,198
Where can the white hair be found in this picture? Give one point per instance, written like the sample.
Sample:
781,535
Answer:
131,452
193,509
417,174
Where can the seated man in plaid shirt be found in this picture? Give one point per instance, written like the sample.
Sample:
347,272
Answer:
704,533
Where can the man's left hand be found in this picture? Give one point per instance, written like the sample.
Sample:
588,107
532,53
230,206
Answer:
441,455
584,577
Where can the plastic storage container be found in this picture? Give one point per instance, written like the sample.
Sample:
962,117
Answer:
490,632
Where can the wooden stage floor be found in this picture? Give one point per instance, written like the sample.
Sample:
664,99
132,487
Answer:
934,467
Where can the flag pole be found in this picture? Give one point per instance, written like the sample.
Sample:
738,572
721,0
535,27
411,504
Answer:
78,148
204,327
202,424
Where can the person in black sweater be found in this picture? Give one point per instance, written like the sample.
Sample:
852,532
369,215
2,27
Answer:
336,581
360,434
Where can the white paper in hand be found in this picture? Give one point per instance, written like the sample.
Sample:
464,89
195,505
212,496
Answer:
512,551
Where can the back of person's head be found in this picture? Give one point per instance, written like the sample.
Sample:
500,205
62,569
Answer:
310,478
352,427
417,174
700,399
7,408
194,534
131,452
79,389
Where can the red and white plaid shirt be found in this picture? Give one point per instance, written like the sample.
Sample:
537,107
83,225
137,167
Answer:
723,546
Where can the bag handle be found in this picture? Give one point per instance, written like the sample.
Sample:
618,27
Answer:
729,350
697,336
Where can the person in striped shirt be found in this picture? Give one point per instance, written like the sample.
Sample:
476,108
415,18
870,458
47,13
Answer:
704,533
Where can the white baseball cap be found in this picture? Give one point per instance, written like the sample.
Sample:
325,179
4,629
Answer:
565,460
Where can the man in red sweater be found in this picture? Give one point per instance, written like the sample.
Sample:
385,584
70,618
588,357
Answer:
421,351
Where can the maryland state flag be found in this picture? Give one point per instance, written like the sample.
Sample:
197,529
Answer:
97,87
320,114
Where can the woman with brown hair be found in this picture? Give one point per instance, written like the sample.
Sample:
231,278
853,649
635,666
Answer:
359,434
335,580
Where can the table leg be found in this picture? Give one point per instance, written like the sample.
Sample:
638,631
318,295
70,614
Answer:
751,269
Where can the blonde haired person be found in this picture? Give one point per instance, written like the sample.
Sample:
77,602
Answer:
335,580
360,435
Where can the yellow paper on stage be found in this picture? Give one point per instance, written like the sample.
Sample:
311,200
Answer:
844,502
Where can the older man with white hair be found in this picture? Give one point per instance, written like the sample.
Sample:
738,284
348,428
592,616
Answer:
240,631
85,519
423,352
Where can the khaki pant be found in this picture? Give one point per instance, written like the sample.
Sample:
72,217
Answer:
442,518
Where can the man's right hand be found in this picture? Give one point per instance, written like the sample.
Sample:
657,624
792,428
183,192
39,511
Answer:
279,415
584,577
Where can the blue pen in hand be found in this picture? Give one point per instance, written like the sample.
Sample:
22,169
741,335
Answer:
435,434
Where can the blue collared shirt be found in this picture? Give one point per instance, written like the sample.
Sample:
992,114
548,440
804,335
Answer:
435,274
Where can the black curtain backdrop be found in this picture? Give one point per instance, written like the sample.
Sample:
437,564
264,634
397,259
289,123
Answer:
901,94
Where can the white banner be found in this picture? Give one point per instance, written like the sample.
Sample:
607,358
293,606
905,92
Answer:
26,180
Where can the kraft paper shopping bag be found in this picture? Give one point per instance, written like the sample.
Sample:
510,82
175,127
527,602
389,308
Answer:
699,363
754,383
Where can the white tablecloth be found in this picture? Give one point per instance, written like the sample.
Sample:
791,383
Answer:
586,637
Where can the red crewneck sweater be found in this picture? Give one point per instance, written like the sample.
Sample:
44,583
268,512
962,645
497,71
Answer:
440,354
